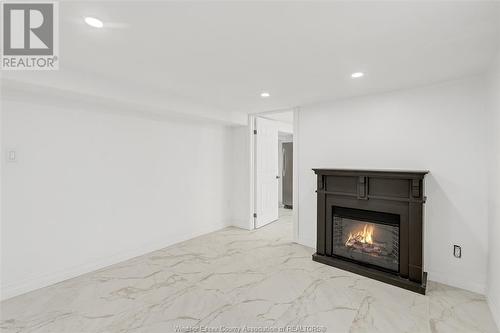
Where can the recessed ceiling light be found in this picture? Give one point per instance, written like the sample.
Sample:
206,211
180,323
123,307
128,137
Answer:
93,22
357,74
265,94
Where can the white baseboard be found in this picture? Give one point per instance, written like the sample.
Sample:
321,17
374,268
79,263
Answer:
307,242
434,276
457,282
240,223
495,310
47,279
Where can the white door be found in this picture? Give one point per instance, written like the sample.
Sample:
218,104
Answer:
266,175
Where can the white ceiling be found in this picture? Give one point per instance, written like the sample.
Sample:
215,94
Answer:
219,56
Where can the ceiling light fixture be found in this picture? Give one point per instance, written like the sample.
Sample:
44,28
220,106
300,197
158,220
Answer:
357,75
265,94
93,22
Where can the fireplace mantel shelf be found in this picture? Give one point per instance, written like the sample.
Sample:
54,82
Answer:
395,173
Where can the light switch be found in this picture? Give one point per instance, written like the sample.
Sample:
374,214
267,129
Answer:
457,251
11,156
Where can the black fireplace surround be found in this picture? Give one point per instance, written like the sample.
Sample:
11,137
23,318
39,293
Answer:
370,222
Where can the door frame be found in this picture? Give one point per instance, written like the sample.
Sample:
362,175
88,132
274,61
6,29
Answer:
252,169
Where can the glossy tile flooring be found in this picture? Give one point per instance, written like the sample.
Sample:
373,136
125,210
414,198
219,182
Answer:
233,280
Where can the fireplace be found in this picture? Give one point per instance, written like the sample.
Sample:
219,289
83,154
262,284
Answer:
370,222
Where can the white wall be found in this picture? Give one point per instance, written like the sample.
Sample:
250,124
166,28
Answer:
240,178
440,128
493,291
91,188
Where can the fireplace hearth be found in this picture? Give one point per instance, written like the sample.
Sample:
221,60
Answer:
370,222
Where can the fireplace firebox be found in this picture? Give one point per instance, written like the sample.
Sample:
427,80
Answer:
370,222
365,236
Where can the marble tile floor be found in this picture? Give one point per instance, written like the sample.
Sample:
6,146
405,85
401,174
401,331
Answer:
237,279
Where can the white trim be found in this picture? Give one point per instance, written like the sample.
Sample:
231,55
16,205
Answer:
495,310
272,111
293,129
308,242
251,141
295,194
240,224
282,126
45,280
455,281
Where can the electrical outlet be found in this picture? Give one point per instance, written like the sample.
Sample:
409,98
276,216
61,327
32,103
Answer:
457,251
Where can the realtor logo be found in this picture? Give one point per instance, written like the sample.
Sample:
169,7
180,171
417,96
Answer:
30,36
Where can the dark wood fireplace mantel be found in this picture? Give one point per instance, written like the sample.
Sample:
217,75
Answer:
392,192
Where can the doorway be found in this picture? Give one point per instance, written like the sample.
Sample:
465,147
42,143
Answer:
285,163
273,167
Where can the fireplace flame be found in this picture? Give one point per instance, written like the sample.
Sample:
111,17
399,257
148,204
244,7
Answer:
364,236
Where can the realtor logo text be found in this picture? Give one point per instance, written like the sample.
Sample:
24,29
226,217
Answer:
30,36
